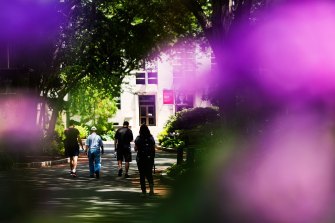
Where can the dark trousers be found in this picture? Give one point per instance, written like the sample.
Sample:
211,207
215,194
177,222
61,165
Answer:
145,168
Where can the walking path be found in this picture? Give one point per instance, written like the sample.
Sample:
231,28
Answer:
50,194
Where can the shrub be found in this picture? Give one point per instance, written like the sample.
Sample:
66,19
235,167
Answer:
173,134
53,146
109,135
195,117
177,171
83,131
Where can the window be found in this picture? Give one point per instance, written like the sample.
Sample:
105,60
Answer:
140,78
118,102
147,110
146,78
152,78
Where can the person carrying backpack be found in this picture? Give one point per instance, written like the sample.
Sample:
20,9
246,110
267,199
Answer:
145,148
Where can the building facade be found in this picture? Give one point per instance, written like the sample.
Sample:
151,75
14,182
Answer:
175,81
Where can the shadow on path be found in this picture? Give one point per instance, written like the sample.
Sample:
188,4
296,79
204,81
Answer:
51,195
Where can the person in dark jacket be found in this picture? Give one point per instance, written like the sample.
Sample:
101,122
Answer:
145,148
71,144
123,137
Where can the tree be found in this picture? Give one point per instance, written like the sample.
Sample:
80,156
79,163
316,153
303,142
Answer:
105,40
93,106
225,23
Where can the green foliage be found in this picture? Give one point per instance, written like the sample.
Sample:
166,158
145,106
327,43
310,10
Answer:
162,135
54,146
97,43
93,106
169,139
109,135
194,117
172,142
173,134
59,129
177,171
83,131
196,127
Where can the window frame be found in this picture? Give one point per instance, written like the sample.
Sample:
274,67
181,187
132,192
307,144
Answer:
141,78
146,77
147,104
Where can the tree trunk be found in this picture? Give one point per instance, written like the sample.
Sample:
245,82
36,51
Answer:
52,122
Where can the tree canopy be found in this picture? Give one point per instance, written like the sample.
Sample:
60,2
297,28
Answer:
93,106
104,40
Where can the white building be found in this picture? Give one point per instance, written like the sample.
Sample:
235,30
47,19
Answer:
175,81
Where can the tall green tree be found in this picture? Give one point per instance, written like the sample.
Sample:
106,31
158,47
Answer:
94,107
220,18
105,40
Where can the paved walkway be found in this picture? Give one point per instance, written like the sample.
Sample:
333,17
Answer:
50,194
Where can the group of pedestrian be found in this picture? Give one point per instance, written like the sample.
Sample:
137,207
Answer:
94,148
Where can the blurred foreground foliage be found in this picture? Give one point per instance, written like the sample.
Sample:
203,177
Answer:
6,161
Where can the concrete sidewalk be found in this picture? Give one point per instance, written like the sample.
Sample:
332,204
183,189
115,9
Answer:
50,194
108,147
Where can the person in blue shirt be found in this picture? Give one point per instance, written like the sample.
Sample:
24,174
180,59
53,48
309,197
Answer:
94,150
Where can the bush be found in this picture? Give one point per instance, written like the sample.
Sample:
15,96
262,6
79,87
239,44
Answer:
177,171
195,129
109,135
53,146
195,117
83,131
173,134
169,139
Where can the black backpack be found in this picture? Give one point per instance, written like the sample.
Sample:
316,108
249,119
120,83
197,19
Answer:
146,148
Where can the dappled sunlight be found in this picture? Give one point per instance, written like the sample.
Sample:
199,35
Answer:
54,196
86,216
275,159
115,189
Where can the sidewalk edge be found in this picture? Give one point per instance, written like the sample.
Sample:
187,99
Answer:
42,164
